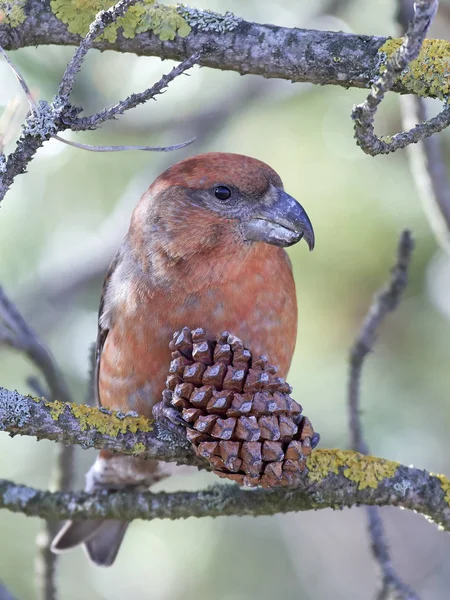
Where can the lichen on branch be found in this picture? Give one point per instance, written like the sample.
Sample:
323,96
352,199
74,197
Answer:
92,427
429,74
164,21
407,487
333,478
298,55
12,12
366,471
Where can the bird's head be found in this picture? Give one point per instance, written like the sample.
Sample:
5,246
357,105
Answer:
232,192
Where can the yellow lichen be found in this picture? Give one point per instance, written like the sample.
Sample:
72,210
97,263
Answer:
445,485
12,13
109,424
138,448
56,408
163,20
429,74
367,471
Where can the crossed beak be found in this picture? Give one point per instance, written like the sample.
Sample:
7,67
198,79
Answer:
280,221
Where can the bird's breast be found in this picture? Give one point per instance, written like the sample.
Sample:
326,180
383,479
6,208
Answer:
256,301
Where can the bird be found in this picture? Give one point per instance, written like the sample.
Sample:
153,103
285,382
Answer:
205,248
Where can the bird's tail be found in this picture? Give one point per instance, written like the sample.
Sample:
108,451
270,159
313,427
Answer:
102,538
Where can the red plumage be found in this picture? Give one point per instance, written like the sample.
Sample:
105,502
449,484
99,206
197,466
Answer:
191,257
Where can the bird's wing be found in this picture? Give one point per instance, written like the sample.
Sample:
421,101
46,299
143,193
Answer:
103,324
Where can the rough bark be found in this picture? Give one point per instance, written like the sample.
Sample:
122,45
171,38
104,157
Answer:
334,478
299,55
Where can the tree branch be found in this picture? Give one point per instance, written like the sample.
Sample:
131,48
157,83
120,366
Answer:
334,478
91,427
363,114
299,55
4,593
47,120
385,302
101,21
135,99
427,163
16,333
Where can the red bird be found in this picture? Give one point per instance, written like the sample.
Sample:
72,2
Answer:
204,249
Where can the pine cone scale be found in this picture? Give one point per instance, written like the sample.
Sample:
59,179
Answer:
240,415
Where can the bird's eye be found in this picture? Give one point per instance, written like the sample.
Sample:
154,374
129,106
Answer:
222,192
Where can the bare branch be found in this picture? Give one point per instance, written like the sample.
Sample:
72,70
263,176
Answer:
23,338
15,332
391,582
101,21
429,172
364,114
31,101
135,99
385,301
4,593
427,163
124,148
46,120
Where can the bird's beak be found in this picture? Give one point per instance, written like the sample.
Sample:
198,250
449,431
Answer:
279,220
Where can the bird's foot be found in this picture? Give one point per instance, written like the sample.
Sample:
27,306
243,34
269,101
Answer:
165,410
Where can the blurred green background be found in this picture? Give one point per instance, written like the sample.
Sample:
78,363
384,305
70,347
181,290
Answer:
61,223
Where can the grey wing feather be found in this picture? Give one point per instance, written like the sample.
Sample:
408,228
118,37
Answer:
103,331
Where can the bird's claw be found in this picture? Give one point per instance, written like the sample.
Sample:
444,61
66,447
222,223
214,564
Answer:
162,410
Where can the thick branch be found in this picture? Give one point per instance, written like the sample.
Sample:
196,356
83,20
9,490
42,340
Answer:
327,485
92,428
319,57
334,478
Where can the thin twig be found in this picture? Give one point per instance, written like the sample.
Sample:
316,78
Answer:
101,21
4,593
384,302
47,120
363,114
427,163
15,332
124,148
131,102
429,172
134,100
31,101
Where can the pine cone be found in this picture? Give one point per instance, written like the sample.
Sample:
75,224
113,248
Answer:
239,415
